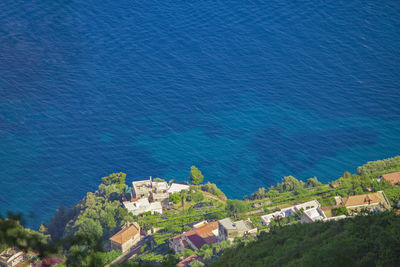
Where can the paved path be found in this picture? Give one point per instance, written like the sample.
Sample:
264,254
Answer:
133,251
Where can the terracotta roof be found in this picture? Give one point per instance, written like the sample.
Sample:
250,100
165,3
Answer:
202,235
125,234
186,262
393,177
362,199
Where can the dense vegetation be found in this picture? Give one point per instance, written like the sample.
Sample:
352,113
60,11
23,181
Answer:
372,240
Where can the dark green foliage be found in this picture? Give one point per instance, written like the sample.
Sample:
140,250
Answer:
375,168
114,178
198,197
60,220
272,193
313,182
196,177
175,198
372,240
196,263
13,234
340,211
260,194
212,189
235,207
289,183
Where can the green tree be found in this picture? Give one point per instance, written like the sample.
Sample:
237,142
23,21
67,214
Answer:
340,211
272,193
260,194
115,178
89,228
196,263
234,207
313,182
175,198
289,183
196,177
198,197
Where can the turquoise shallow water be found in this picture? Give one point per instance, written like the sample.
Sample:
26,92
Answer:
248,92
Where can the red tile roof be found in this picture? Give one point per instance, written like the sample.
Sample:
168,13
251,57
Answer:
186,262
125,234
393,177
201,236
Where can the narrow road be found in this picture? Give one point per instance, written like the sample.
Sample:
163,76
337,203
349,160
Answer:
133,251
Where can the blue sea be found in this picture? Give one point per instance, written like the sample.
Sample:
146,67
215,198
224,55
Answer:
248,91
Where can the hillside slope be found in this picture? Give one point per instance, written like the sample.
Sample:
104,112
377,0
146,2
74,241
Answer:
372,240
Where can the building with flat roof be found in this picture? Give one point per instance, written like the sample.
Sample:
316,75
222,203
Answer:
177,188
228,229
312,215
142,205
154,191
290,211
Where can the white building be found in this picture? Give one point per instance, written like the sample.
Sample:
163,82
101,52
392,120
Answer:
177,188
313,215
286,212
143,205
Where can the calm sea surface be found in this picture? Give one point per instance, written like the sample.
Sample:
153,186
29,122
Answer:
247,91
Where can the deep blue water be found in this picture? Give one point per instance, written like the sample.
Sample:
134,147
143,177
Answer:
247,91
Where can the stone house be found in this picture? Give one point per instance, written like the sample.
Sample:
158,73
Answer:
126,238
228,229
154,191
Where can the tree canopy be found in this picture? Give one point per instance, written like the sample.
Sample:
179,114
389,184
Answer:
196,177
234,207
